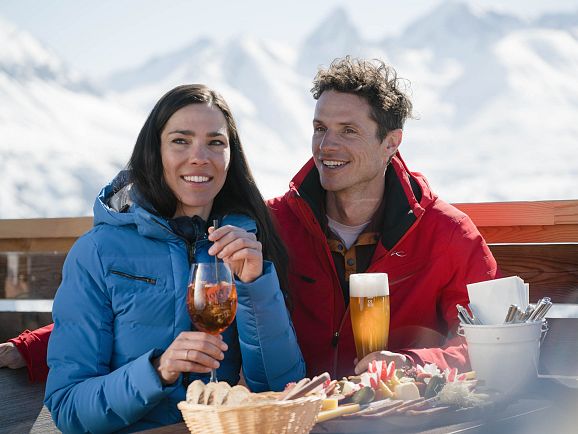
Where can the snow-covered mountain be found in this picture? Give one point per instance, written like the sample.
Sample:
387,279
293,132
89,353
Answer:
495,98
59,139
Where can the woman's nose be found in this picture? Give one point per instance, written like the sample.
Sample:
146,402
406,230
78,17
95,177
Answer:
198,154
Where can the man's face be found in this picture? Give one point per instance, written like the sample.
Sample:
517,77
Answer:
347,152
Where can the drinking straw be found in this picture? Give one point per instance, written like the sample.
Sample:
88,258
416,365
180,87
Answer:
215,226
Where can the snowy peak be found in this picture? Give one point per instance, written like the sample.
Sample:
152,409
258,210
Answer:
336,36
561,21
24,58
337,26
161,67
19,48
454,28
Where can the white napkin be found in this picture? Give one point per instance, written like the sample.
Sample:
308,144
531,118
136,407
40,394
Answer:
491,299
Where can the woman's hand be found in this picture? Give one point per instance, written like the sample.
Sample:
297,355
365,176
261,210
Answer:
238,248
10,357
399,359
190,352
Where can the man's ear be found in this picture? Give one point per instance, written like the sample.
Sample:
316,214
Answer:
392,141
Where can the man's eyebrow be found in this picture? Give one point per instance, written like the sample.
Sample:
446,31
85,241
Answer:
317,121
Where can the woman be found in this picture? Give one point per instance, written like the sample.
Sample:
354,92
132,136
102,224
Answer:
121,340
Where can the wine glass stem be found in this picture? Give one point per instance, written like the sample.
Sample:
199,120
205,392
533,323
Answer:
213,376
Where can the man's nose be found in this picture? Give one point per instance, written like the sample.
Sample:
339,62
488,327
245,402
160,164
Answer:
328,140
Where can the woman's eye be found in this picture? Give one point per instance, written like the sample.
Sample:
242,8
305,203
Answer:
180,141
216,143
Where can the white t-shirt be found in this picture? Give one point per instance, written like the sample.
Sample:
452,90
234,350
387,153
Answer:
348,234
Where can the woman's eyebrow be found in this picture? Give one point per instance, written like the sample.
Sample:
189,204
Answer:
183,132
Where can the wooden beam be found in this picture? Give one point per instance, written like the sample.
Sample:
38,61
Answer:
66,227
550,269
58,245
567,233
537,213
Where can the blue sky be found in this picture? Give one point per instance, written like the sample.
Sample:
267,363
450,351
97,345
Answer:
97,37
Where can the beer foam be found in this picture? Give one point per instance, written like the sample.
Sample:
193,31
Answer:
368,285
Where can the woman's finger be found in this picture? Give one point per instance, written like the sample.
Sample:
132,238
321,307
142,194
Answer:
236,245
191,339
223,237
244,255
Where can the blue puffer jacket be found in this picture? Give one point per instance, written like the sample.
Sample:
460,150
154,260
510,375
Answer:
122,303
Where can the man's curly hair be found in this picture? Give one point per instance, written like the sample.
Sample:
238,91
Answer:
374,81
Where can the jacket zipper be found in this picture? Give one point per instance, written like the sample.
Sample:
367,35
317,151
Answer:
190,250
337,333
335,343
130,276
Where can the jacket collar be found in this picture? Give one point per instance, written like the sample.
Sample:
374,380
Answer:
120,204
406,196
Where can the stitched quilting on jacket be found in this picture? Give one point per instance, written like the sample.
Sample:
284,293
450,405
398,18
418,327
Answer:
122,302
429,249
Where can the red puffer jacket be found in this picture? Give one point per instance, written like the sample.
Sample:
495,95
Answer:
429,249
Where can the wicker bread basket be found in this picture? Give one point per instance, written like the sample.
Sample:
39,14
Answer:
263,416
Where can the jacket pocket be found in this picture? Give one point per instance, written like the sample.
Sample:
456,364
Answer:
149,280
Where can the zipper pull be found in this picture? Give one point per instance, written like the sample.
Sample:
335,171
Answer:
335,339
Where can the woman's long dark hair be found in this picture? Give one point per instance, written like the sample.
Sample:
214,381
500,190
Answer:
239,193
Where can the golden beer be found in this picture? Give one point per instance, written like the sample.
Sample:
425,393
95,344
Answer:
369,310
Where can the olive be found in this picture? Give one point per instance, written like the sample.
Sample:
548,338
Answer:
363,396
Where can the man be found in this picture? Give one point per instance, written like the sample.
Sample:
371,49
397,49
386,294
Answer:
356,207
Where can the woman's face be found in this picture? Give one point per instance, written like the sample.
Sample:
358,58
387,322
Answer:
196,155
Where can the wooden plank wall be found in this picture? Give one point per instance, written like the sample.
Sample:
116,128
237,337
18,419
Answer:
42,235
525,222
535,240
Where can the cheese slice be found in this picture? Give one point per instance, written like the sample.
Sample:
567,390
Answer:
329,404
339,411
406,391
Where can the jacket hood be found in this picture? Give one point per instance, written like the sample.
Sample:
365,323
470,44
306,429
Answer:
120,204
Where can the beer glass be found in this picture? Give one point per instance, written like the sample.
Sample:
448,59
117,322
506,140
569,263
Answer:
369,309
211,299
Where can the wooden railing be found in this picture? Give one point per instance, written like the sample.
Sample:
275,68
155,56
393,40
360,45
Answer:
525,222
537,241
42,235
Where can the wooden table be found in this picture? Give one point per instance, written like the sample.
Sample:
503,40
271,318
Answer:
547,407
21,406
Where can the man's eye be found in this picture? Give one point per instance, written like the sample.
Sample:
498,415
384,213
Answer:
318,129
349,131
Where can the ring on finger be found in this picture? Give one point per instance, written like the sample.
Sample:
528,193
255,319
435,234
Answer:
187,355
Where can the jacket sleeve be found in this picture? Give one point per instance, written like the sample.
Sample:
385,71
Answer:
32,345
82,393
469,260
270,353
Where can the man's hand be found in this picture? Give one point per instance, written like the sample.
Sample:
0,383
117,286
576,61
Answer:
10,357
238,248
399,359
